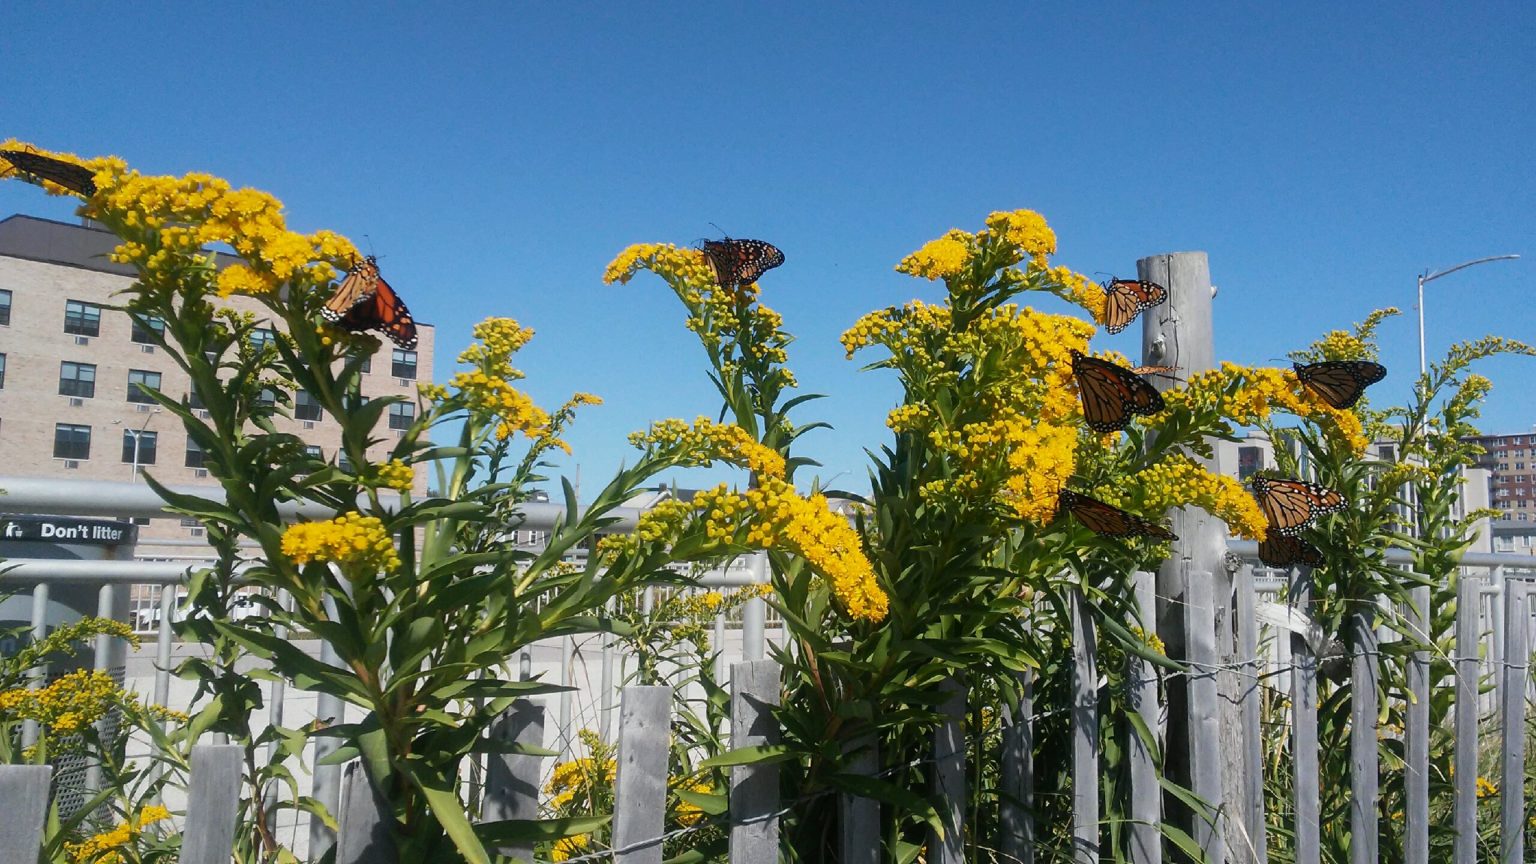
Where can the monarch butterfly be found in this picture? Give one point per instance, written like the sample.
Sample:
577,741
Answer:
364,301
741,262
1111,394
1291,505
1278,550
1127,298
1340,382
1110,521
76,178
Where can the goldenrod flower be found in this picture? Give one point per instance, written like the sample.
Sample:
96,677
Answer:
358,543
706,441
397,475
940,258
1177,481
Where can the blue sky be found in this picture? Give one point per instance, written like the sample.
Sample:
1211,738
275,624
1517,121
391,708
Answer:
498,155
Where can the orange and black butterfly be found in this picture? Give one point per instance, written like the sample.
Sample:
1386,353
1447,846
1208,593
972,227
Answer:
1110,521
741,262
1112,394
1279,550
1340,382
76,178
364,301
1127,298
1291,505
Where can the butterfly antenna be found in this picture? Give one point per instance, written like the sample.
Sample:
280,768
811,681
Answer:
721,230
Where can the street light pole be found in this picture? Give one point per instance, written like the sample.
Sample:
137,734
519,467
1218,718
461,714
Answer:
1425,278
137,437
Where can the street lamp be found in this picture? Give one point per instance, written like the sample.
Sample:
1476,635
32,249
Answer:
137,437
1425,278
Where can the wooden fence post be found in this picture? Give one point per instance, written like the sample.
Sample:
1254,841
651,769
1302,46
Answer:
213,803
362,826
859,839
24,801
1517,618
949,777
1251,694
1179,333
1085,734
1018,780
512,779
640,780
1364,760
1307,820
1468,640
1205,738
1416,734
755,690
1146,841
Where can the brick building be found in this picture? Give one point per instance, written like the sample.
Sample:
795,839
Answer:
70,406
1511,462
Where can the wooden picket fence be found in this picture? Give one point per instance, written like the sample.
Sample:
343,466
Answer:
512,781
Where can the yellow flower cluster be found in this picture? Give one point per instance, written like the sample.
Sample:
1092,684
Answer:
397,475
664,259
69,705
487,388
1486,788
104,848
905,330
1078,289
1179,480
567,848
1151,640
1027,231
1248,395
706,441
176,218
579,777
783,519
909,418
940,258
689,814
358,543
550,436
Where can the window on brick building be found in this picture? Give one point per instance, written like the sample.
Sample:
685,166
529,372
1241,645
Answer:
71,441
82,319
140,381
77,379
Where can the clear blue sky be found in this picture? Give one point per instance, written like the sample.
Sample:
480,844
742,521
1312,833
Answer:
498,155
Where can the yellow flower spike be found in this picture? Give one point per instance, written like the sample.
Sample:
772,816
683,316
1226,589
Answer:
940,258
358,544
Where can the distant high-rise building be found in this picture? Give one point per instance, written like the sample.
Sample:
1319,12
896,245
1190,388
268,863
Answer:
1511,463
71,371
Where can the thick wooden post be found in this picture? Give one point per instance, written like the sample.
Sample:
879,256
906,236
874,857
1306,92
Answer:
755,689
24,801
1179,333
512,779
640,780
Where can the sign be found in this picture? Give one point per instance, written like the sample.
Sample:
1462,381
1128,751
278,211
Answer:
66,529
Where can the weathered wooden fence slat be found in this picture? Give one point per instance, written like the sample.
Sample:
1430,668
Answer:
755,691
1085,734
1204,720
1468,641
1416,734
362,831
213,803
640,779
948,779
1017,821
1307,802
859,840
1251,697
1512,710
24,801
1364,759
512,779
1146,842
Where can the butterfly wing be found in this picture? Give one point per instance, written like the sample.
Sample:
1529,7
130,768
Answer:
741,262
1279,550
1127,298
1291,505
76,178
359,285
1112,394
1340,382
385,312
1102,519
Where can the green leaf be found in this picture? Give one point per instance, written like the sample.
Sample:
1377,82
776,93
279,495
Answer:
757,754
445,804
509,831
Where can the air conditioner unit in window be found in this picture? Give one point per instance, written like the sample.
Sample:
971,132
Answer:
142,408
82,340
399,433
197,532
75,402
146,349
200,472
71,463
203,414
309,424
404,382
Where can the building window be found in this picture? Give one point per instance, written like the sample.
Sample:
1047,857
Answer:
196,457
71,442
367,364
261,337
403,364
267,398
343,462
77,379
139,447
146,328
305,407
140,382
313,451
1249,461
82,319
194,399
401,414
5,307
2,371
